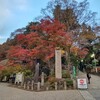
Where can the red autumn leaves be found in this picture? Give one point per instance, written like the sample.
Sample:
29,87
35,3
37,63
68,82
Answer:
42,41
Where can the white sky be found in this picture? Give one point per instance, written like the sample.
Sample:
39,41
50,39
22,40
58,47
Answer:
16,14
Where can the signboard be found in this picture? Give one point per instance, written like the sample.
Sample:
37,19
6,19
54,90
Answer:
58,68
19,77
81,83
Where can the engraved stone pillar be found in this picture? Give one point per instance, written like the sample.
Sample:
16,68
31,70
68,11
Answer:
58,68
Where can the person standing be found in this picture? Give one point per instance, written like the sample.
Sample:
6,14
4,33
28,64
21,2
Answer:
88,77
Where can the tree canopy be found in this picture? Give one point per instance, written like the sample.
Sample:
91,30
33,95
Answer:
66,24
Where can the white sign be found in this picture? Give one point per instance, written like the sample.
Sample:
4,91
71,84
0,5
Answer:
82,83
19,77
58,68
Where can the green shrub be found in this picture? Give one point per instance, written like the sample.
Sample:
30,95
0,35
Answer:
28,73
65,74
69,82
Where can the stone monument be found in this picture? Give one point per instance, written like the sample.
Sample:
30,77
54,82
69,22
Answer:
58,68
36,75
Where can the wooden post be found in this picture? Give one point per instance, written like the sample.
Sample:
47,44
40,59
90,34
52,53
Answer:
96,69
47,88
42,79
74,84
38,86
24,85
65,85
28,85
32,85
55,85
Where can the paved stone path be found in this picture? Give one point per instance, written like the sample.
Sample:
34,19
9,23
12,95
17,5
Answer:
95,81
86,95
93,90
92,93
9,93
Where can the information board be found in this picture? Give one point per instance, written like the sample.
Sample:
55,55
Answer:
19,77
82,83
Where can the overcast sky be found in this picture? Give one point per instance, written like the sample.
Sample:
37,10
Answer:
16,14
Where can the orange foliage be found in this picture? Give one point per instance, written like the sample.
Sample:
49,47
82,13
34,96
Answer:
75,50
48,35
18,52
1,67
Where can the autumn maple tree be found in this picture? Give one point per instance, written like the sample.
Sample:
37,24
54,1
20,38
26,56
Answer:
49,34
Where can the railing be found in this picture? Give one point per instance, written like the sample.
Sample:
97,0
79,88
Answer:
32,86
